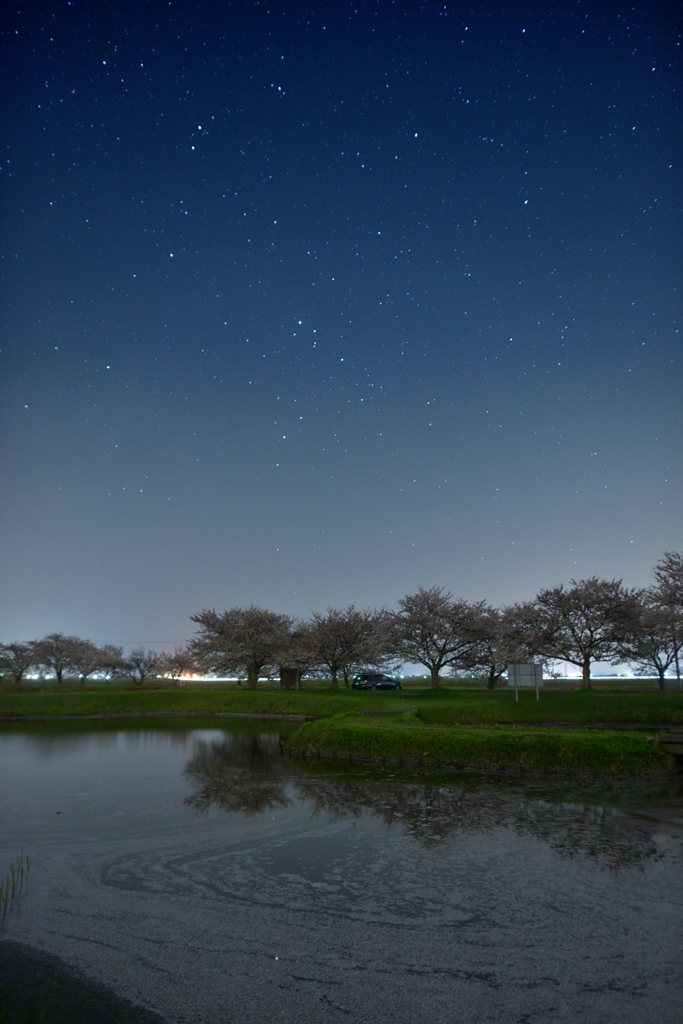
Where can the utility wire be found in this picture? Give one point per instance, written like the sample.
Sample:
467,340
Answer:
140,641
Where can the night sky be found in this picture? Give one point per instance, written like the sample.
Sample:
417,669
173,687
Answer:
306,304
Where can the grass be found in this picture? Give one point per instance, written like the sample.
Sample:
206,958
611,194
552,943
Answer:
471,728
445,707
187,700
578,707
13,885
407,738
29,1015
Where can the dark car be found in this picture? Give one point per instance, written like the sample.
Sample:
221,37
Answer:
375,681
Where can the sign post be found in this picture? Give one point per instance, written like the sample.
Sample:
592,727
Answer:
527,675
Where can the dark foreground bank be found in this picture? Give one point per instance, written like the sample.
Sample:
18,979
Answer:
34,983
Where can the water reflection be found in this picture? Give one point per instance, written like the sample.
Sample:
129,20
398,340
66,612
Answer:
251,774
238,773
49,746
312,886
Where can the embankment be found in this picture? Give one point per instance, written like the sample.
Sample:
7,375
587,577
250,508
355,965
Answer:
520,749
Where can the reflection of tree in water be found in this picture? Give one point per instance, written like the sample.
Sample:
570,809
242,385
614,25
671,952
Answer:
249,774
431,815
238,773
426,813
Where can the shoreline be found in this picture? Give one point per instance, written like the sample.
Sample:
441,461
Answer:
576,752
34,982
460,767
598,736
279,717
158,714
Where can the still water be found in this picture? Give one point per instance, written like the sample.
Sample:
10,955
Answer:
204,874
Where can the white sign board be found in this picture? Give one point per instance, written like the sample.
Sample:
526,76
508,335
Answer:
525,675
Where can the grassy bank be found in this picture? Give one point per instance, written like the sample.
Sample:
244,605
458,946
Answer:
579,707
407,739
463,728
181,701
437,708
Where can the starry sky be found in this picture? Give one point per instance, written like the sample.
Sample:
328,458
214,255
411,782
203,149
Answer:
306,304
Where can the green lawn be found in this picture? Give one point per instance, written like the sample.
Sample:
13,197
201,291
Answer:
443,707
508,748
578,707
183,700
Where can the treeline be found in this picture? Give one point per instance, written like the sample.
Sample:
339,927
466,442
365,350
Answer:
71,657
587,621
583,622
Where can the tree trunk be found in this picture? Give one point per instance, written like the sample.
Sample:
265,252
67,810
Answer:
435,677
491,684
252,677
586,677
335,683
662,682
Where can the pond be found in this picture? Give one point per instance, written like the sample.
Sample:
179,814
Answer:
204,874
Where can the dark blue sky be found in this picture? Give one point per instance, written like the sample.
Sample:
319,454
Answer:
306,304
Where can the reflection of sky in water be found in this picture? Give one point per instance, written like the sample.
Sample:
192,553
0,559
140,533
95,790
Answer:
249,774
115,777
166,861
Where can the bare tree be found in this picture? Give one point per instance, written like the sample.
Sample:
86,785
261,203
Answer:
141,664
658,638
179,662
56,653
668,592
16,659
343,639
240,639
433,629
588,621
